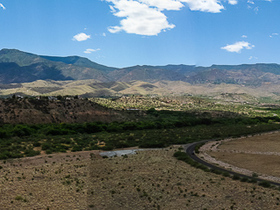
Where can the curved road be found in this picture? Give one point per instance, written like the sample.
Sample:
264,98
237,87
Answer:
190,150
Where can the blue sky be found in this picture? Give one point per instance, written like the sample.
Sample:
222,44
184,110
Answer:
123,33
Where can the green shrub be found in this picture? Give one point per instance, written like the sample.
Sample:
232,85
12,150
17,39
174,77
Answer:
235,177
244,179
265,184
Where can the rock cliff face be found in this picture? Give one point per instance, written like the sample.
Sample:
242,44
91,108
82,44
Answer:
37,111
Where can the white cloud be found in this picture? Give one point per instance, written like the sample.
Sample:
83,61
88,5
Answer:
103,34
139,18
2,6
164,4
253,57
112,8
81,37
213,6
238,46
273,34
244,36
256,9
146,17
88,51
251,5
232,2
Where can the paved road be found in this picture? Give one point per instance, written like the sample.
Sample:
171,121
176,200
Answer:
190,150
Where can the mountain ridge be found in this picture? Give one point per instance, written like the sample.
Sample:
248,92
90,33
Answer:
18,67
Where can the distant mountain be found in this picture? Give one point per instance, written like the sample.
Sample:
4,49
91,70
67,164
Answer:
13,73
19,67
263,67
246,74
146,73
79,61
185,70
18,57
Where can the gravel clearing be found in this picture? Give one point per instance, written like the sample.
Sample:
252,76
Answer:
119,153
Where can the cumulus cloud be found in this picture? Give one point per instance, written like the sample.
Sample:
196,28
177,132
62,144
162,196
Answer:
238,46
88,51
164,4
232,2
244,36
2,6
146,17
81,37
139,18
213,6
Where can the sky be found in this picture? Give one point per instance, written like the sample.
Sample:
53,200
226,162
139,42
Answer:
122,33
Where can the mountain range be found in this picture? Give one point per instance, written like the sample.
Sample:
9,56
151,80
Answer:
19,67
30,74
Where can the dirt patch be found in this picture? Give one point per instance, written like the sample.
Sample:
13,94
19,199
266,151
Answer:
261,164
255,154
146,180
259,143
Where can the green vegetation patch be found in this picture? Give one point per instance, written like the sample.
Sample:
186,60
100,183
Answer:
160,129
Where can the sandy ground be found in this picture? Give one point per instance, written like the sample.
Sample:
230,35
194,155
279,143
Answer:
247,155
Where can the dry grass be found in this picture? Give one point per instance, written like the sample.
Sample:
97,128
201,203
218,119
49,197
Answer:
261,164
260,153
155,180
148,180
41,182
259,143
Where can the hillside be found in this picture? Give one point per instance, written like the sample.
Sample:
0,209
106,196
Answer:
38,111
94,88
